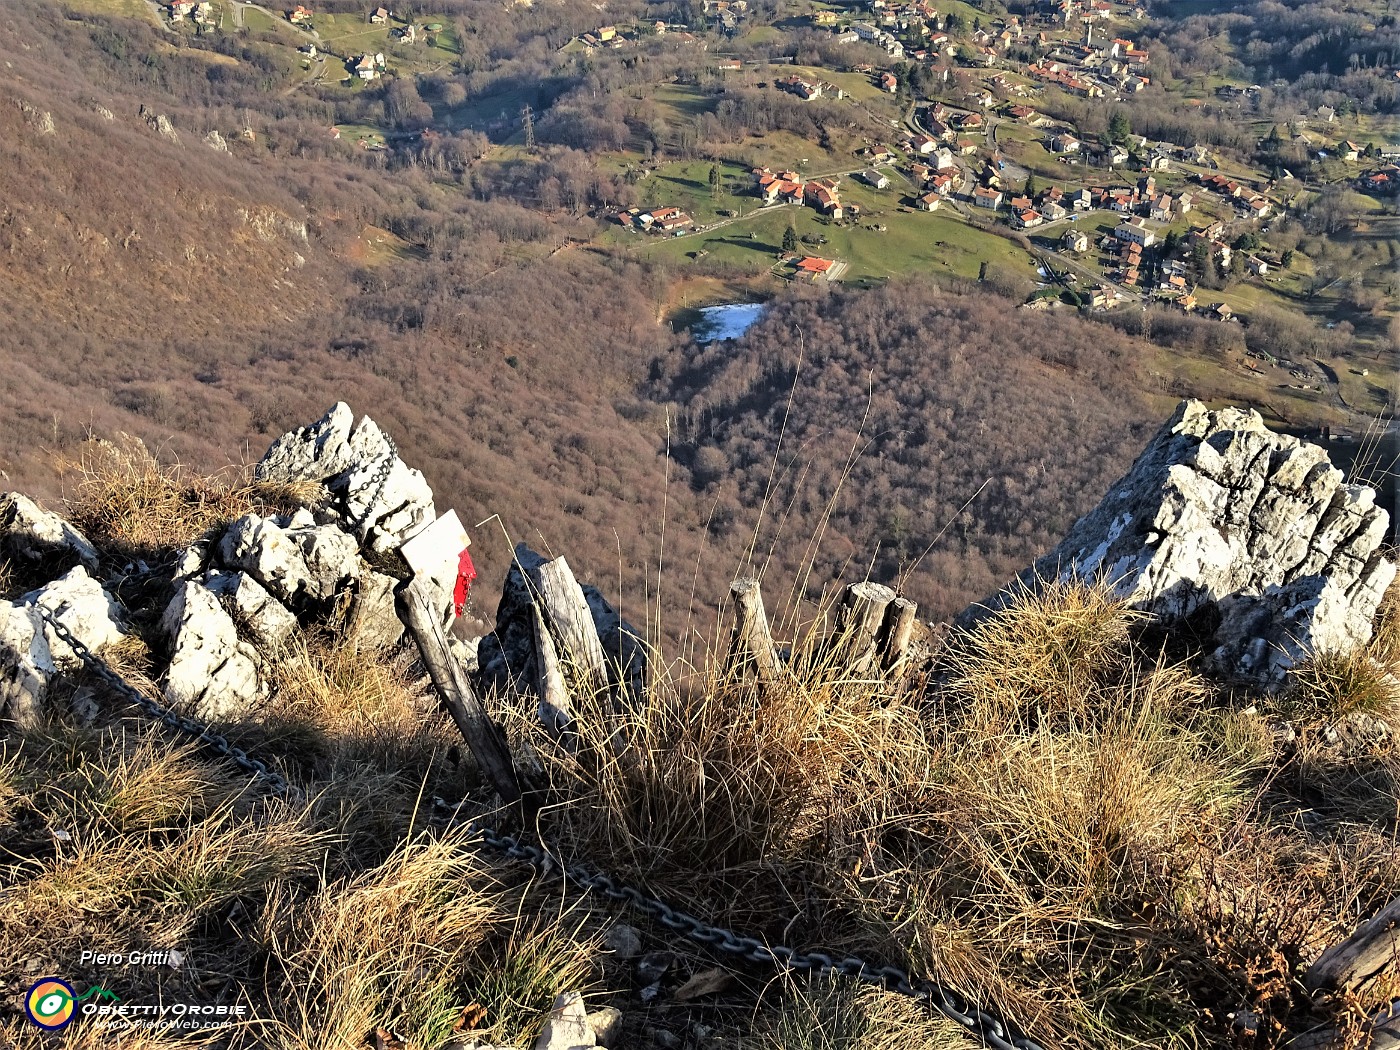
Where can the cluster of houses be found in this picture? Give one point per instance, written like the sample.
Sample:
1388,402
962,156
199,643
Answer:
1131,238
604,36
616,37
788,187
1144,200
1382,180
200,12
1090,68
657,220
1245,199
877,35
808,88
367,67
1091,71
726,15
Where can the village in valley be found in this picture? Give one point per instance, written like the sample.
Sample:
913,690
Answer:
892,137
1104,219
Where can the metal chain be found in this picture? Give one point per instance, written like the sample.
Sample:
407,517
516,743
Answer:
258,769
376,481
978,1023
991,1030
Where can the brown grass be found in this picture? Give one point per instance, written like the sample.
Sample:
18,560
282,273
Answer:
125,498
1065,826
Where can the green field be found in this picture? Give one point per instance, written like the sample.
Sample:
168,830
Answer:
351,33
940,242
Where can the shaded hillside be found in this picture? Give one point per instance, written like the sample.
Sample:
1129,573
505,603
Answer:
207,301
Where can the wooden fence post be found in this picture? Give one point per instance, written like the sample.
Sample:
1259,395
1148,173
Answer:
569,619
896,631
418,610
555,711
751,642
1363,957
858,623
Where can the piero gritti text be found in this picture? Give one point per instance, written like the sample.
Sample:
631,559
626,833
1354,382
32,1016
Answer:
171,958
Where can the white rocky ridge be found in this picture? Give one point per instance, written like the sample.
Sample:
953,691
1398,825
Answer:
213,674
1252,536
31,532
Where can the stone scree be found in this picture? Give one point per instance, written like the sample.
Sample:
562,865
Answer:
1252,536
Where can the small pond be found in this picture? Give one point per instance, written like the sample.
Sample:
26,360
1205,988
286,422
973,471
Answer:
727,321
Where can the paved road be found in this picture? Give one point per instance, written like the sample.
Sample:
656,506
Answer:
159,13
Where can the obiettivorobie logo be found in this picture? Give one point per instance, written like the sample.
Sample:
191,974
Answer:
52,1002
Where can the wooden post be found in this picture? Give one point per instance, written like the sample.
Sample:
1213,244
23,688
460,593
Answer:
896,631
569,619
1368,954
751,643
858,623
417,608
1382,1028
555,711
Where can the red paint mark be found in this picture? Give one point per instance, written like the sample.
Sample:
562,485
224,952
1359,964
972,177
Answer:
466,572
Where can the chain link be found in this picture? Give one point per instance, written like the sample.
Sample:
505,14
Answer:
991,1030
376,481
220,744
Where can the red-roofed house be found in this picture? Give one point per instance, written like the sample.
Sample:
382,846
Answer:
814,268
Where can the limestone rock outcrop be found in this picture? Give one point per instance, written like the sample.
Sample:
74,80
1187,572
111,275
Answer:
28,531
1252,536
31,653
350,459
302,564
213,673
267,622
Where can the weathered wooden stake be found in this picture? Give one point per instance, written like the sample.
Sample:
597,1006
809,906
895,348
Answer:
1382,1029
417,604
858,623
751,643
569,619
555,711
1367,955
896,631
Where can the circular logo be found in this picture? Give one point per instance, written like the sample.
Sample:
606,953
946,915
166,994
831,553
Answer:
49,1003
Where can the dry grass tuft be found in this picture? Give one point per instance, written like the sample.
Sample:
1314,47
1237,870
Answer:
140,839
1040,830
1385,638
406,947
830,1015
127,499
1333,685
